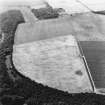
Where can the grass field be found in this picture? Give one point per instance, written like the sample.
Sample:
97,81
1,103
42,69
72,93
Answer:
55,63
84,27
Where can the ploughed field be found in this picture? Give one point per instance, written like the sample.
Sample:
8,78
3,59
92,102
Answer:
94,51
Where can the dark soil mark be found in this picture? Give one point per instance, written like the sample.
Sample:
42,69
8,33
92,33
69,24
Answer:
99,12
79,72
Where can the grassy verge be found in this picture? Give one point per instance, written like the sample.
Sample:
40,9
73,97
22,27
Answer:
8,24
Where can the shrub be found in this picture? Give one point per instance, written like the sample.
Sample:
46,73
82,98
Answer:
45,13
